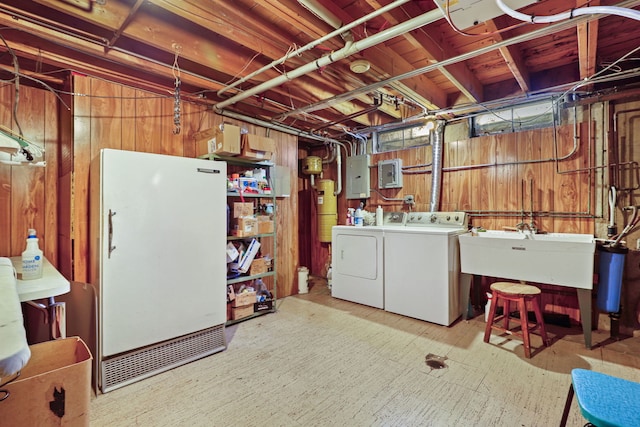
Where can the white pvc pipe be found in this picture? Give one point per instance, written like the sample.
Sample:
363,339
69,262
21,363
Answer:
346,51
315,43
605,10
321,12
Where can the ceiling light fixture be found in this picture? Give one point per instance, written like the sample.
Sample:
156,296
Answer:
360,66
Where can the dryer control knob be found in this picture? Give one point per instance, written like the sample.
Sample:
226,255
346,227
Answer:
433,218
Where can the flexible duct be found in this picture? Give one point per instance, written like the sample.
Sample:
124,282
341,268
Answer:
436,169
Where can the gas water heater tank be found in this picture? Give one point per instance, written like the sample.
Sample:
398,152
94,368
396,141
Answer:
312,165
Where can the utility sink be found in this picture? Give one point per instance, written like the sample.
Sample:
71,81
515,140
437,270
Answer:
564,259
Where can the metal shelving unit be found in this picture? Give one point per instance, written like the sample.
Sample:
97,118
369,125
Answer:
238,164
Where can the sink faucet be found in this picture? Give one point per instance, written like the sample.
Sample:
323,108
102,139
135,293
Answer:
531,227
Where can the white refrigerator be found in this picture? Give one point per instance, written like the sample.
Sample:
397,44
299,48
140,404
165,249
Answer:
158,262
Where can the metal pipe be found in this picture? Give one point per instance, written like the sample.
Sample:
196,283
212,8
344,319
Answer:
553,28
348,50
314,43
436,175
275,126
338,173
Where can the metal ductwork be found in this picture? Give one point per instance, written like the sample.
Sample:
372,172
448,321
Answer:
437,148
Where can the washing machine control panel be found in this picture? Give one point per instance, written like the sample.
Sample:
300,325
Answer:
437,219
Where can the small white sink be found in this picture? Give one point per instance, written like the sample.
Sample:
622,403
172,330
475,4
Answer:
556,258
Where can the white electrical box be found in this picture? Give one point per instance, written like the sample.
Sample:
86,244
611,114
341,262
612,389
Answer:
358,177
390,173
467,13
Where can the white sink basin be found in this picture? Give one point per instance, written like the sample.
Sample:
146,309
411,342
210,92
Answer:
556,258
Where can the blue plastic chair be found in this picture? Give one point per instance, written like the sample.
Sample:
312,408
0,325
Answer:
604,401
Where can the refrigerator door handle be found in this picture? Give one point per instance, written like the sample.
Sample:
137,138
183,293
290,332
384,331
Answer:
111,247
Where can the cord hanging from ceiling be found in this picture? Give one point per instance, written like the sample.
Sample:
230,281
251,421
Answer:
176,92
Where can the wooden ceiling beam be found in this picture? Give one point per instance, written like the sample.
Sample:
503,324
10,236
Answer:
118,31
512,56
387,63
422,40
587,34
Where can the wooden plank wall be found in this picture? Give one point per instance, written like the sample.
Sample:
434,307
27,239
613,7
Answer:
492,174
54,199
25,192
110,116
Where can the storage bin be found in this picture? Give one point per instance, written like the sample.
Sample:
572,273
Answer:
244,299
241,312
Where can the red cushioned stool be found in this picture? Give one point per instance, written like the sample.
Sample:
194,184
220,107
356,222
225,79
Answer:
521,294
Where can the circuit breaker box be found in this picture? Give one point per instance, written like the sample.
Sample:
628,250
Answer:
390,173
358,182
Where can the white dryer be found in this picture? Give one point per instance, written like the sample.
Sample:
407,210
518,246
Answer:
422,267
357,261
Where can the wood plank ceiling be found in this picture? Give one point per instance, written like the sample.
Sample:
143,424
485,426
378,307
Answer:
418,63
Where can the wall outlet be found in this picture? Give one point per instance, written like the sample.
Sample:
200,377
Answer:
409,200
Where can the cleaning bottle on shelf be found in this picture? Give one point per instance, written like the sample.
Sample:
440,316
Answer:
379,216
32,258
359,218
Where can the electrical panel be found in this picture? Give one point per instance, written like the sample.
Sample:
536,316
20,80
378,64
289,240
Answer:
390,173
358,185
468,13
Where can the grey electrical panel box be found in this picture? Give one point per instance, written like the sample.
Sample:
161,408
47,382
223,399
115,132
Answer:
358,177
390,173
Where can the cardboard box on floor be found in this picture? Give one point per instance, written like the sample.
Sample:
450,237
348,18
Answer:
54,388
256,147
225,142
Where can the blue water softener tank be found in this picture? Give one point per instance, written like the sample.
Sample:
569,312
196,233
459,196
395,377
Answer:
611,268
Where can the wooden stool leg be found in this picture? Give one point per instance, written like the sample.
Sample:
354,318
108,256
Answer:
540,320
492,315
567,407
505,312
524,326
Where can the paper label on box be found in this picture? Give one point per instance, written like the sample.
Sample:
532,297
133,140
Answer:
211,144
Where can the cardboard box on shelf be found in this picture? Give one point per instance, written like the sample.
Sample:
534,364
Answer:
232,252
245,226
242,209
244,299
256,147
246,258
225,142
265,227
54,388
238,313
258,266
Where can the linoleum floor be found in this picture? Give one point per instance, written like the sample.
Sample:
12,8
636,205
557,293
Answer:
321,361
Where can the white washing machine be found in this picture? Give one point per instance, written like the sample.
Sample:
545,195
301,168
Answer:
422,267
357,261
